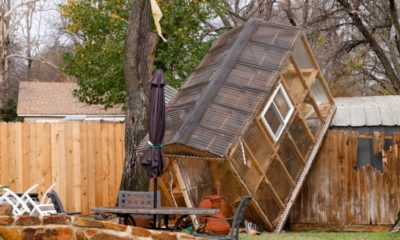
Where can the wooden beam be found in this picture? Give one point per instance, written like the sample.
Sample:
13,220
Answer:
305,126
310,53
305,171
371,135
252,202
161,186
326,227
296,149
292,183
182,185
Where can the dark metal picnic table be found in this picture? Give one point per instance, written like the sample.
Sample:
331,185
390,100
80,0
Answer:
126,213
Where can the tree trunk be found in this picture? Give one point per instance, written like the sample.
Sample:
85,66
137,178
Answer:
28,42
140,43
2,60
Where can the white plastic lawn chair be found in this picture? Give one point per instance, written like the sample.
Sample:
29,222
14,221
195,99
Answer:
45,208
18,205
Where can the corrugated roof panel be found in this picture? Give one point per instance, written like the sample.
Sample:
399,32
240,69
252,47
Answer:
341,117
356,116
396,113
371,116
375,110
386,115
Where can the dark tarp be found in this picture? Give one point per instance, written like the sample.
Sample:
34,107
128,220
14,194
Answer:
153,160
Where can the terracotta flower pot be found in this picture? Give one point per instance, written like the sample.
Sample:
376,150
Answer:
218,226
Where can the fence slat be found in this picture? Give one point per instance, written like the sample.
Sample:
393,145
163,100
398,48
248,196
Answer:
61,181
4,152
76,166
33,153
11,156
69,164
26,165
91,164
18,157
54,157
112,165
97,156
119,145
104,165
84,168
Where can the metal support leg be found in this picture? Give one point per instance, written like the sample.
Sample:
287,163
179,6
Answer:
179,221
128,219
166,219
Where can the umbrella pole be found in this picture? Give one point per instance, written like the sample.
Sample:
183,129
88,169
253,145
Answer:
155,202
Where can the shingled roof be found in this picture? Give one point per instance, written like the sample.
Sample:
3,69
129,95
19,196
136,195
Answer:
56,99
217,102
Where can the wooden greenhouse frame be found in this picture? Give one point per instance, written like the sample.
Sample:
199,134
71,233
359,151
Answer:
249,120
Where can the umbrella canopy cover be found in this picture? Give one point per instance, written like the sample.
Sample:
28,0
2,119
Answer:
153,160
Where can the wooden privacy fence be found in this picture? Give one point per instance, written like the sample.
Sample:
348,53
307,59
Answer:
337,193
84,160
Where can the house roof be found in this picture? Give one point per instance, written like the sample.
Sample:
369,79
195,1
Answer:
54,98
367,111
221,97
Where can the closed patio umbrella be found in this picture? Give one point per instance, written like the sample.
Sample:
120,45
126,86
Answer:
153,160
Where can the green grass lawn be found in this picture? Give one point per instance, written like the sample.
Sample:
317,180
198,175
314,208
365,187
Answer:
321,235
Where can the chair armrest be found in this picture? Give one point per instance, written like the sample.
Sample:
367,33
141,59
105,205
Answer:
73,213
216,218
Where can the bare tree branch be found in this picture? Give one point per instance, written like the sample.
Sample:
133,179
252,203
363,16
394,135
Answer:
30,58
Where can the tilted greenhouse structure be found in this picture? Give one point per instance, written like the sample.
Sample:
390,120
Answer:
249,120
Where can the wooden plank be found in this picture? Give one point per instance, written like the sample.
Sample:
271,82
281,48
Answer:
69,167
342,184
385,203
119,156
377,196
370,194
334,177
46,171
341,144
84,168
105,166
91,165
354,147
340,228
371,135
313,193
327,186
349,184
33,140
318,178
18,157
11,156
4,152
391,185
26,165
98,165
76,165
356,197
112,166
62,178
41,160
54,157
305,200
363,196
